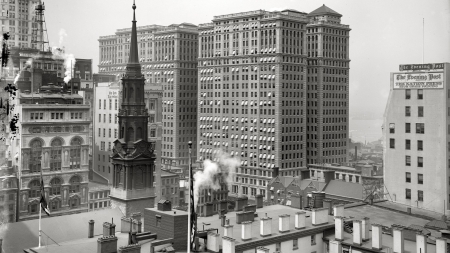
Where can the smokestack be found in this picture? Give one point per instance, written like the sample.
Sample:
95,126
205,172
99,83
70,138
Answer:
228,245
365,229
441,245
283,223
300,220
319,216
377,242
228,230
421,243
266,226
212,242
246,230
91,229
357,232
339,228
399,246
275,172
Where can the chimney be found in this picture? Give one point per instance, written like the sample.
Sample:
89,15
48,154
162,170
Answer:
300,220
246,230
421,243
377,242
319,216
335,247
212,242
266,226
338,228
365,229
228,245
109,229
222,219
397,232
262,250
441,245
91,229
133,237
275,172
338,210
283,223
107,244
228,231
357,232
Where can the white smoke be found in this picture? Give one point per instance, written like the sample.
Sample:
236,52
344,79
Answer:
213,172
69,62
62,34
27,64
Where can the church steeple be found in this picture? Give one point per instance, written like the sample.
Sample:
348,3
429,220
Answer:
134,58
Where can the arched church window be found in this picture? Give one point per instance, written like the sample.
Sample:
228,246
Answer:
55,185
35,158
55,155
139,133
130,134
75,153
75,184
35,189
55,204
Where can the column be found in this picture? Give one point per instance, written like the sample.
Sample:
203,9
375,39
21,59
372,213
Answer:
125,177
132,171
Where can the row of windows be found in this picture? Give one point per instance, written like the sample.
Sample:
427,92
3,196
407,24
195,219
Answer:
420,112
419,195
420,129
419,161
408,94
110,118
40,115
419,178
109,133
104,104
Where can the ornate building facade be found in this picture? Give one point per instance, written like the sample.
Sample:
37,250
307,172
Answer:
133,159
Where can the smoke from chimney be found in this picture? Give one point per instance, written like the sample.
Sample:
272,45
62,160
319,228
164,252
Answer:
27,64
69,62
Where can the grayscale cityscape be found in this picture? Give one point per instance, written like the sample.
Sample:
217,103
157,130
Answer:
232,126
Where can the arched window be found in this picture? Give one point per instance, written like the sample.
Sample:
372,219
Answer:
130,134
121,176
139,177
74,202
34,164
139,133
55,204
55,185
131,95
75,184
55,155
33,207
75,153
35,189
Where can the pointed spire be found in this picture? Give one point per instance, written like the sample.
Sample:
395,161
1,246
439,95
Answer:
133,59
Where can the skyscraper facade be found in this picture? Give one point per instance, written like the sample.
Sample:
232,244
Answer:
327,96
168,57
252,78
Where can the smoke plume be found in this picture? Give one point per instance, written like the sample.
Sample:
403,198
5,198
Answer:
69,62
215,172
62,34
27,64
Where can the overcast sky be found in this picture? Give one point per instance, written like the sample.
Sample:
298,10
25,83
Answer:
385,33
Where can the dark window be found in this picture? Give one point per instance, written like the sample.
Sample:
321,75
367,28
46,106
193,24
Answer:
407,144
55,155
407,94
420,145
408,177
420,178
75,153
420,128
392,128
295,244
313,239
158,221
420,195
392,143
74,184
419,94
419,161
407,127
408,194
407,111
34,164
420,111
408,160
55,186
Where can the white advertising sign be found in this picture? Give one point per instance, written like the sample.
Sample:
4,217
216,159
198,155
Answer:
423,80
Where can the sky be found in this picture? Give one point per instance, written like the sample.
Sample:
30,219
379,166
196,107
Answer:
385,33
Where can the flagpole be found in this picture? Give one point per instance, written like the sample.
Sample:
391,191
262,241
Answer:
40,211
189,201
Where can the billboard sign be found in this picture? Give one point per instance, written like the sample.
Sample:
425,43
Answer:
429,66
419,80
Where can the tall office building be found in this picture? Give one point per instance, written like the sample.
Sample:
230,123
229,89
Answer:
327,96
252,94
168,57
416,135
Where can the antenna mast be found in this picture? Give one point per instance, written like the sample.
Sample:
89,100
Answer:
40,29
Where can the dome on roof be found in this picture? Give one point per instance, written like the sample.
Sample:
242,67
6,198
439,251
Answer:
322,10
188,24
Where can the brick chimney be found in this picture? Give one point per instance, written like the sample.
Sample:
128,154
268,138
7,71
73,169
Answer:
399,242
421,243
262,250
365,229
107,244
377,232
300,220
338,210
259,201
357,232
441,245
319,216
266,226
132,248
335,247
338,228
91,229
228,245
212,242
228,231
246,230
283,223
109,229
